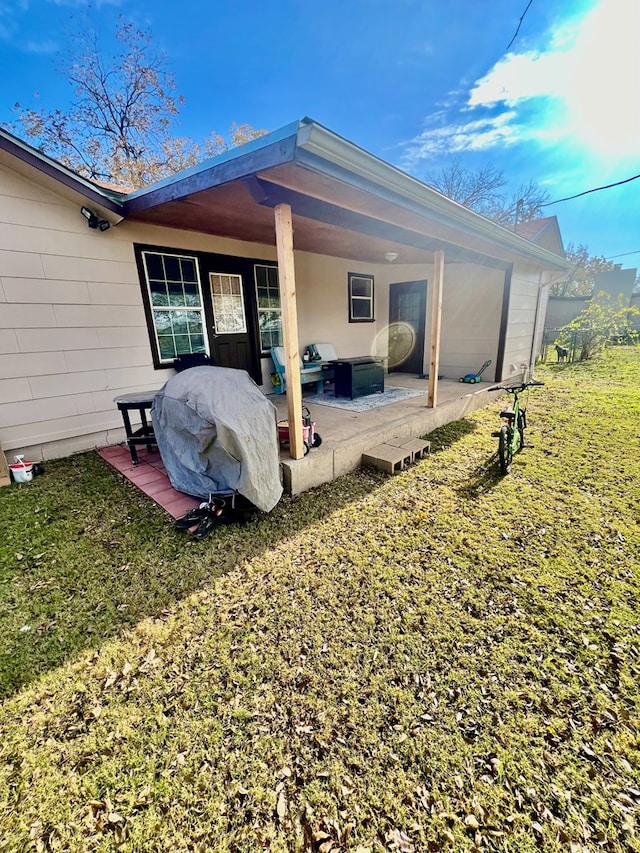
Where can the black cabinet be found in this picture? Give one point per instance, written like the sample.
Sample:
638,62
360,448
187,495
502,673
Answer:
357,377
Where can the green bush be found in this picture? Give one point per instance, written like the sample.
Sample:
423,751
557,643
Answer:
602,322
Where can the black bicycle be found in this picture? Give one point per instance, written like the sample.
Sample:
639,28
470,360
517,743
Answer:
511,434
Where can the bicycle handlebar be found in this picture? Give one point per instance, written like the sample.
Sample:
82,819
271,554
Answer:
512,389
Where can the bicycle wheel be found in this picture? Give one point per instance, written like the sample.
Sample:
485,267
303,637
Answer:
505,456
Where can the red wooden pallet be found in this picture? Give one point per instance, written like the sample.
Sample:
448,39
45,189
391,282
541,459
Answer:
150,476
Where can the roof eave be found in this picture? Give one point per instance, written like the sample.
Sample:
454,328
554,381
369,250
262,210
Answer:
323,145
263,152
40,161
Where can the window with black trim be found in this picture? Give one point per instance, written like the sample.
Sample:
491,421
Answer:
175,303
361,298
269,308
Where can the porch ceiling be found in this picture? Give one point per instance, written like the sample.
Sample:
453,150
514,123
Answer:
232,211
344,202
329,218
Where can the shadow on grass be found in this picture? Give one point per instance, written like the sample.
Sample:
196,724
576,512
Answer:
86,555
443,437
485,477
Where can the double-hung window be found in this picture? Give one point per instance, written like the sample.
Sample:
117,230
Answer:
175,304
361,306
269,309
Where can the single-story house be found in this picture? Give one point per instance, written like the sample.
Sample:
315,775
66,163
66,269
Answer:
298,236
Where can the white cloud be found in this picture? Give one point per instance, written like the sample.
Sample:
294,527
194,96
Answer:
582,89
9,14
518,77
464,136
46,46
591,71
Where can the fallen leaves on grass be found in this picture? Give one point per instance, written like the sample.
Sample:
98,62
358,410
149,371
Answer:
424,667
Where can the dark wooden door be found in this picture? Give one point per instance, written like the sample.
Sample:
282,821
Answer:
229,336
407,312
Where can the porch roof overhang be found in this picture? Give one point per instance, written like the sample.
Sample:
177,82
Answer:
345,203
27,160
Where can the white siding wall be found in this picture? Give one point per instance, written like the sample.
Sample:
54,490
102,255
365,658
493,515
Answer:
72,328
543,303
73,333
523,303
70,316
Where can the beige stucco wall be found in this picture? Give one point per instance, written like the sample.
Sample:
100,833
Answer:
471,311
322,301
323,304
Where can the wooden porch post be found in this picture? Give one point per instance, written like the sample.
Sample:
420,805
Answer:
287,279
434,326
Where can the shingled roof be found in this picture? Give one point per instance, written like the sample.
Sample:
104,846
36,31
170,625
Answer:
543,232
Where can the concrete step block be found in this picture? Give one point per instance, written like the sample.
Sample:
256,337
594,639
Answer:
416,446
387,458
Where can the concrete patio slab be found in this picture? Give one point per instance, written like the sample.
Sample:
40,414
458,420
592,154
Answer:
347,435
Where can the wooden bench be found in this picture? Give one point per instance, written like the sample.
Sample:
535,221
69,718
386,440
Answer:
312,373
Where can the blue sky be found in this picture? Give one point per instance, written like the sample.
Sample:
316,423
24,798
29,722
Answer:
415,82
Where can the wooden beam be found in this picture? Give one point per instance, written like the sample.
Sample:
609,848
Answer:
288,304
435,323
5,478
379,224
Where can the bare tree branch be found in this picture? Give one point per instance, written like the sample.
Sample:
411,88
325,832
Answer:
118,127
482,190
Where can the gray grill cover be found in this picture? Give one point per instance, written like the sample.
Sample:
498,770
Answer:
216,432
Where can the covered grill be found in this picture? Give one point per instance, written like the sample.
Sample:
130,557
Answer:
216,432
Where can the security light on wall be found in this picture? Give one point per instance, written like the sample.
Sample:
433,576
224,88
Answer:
93,221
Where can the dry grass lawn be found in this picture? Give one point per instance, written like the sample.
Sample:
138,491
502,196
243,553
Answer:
442,660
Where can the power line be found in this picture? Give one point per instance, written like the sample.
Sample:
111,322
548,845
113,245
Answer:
623,255
519,24
594,190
